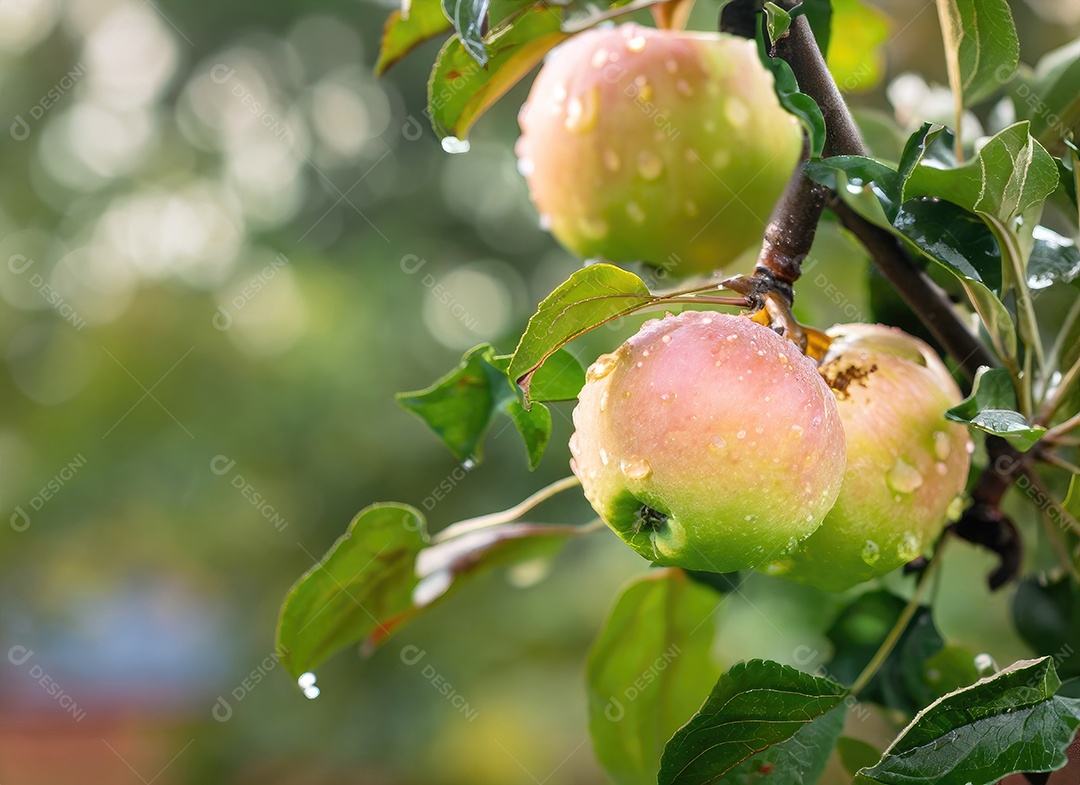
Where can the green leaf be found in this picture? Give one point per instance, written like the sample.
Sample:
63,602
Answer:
460,89
754,706
800,760
591,296
560,378
1011,174
1054,259
797,103
461,406
1010,722
991,407
403,33
856,754
1047,616
981,47
777,22
1053,101
648,671
365,578
819,14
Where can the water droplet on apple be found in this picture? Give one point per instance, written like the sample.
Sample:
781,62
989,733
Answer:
575,444
545,222
736,112
582,112
611,160
871,552
637,215
635,468
910,547
636,44
603,365
740,435
942,445
649,165
903,477
603,456
599,58
941,468
718,443
525,167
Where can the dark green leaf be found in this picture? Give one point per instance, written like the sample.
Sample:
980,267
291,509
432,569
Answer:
1010,722
981,47
800,760
460,89
954,238
859,630
648,671
403,33
1054,259
1047,616
754,706
560,378
469,18
991,407
366,578
856,754
590,297
843,173
461,406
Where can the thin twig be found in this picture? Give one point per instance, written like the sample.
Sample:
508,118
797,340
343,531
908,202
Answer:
507,516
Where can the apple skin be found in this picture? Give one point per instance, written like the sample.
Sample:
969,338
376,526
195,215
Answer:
708,442
906,462
657,145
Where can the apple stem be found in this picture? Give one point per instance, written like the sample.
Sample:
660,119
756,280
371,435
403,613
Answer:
799,49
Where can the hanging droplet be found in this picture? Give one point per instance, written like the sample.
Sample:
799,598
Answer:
307,685
453,145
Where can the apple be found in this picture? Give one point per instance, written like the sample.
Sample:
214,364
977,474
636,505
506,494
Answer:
708,442
906,463
659,145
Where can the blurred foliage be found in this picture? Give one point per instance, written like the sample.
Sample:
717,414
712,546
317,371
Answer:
224,246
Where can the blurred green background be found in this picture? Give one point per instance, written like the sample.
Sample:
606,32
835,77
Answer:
224,247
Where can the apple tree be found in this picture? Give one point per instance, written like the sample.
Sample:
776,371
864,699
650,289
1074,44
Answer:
725,437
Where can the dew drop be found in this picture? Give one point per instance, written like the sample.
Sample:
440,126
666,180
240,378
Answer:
740,435
635,468
306,681
796,431
468,464
815,422
611,160
593,227
637,215
941,468
640,364
942,445
903,477
451,144
603,401
604,365
871,552
671,65
636,44
684,88
582,112
525,167
736,112
718,443
599,58
666,339
575,444
559,93
603,456
545,222
649,165
782,567
732,338
909,547
782,358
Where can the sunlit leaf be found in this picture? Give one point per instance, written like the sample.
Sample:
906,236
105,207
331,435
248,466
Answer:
649,671
590,297
460,89
469,19
777,21
981,47
1054,259
403,33
753,707
1010,722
